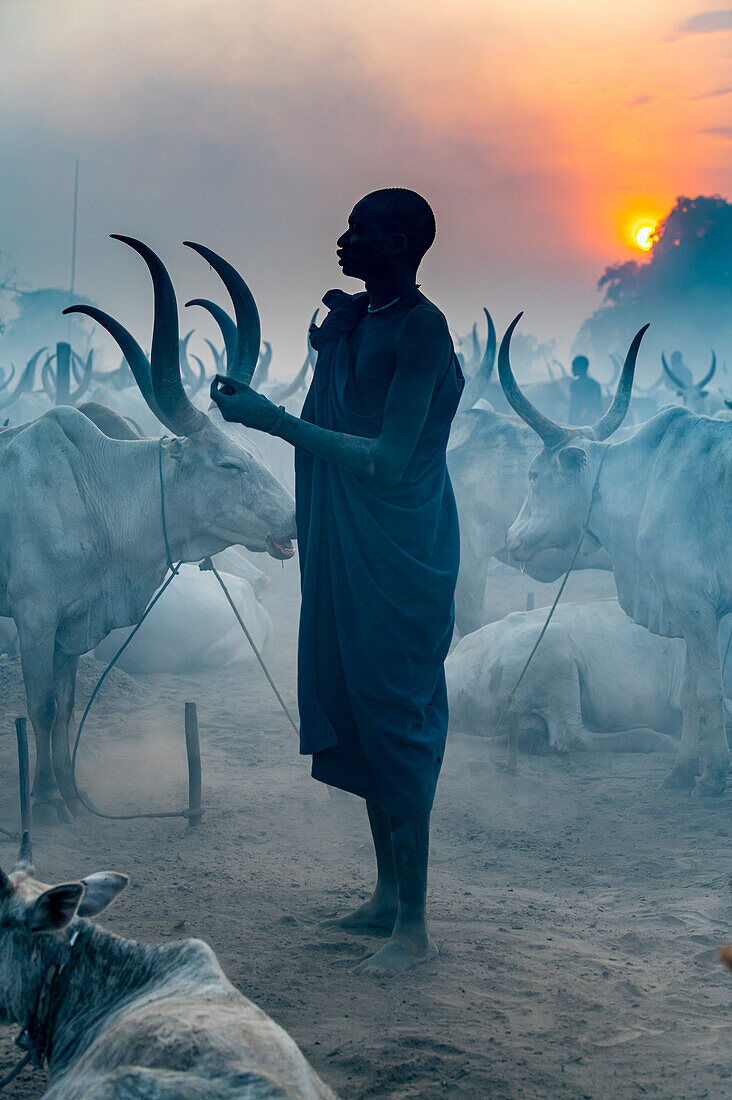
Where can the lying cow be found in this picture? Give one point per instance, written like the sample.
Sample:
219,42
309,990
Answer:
596,681
193,628
117,1019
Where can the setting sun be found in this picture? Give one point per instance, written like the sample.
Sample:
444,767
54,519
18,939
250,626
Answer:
643,234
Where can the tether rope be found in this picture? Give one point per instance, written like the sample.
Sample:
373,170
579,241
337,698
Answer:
510,698
173,570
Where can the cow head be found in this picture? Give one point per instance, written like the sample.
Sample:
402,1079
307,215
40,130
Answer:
560,477
216,479
36,924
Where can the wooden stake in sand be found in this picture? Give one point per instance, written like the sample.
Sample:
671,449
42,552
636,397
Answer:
193,750
23,775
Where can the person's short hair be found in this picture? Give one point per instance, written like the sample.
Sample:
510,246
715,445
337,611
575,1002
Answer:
580,364
404,211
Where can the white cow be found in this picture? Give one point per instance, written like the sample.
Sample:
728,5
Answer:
119,1020
192,628
89,522
662,508
596,681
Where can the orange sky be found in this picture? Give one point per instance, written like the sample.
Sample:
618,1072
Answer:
538,131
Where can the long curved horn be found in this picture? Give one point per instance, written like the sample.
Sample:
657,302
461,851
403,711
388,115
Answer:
135,358
197,381
650,389
709,375
261,374
219,357
480,381
4,385
616,414
187,374
552,434
676,381
83,378
297,382
48,379
248,328
563,369
26,381
164,365
225,323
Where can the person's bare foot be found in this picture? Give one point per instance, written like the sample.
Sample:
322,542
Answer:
405,949
377,915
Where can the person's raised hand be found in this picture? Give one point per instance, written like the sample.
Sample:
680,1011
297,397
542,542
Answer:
240,404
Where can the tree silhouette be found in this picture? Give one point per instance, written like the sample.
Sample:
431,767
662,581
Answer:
684,290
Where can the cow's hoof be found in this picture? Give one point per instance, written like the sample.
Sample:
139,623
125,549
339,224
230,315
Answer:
682,777
45,813
711,784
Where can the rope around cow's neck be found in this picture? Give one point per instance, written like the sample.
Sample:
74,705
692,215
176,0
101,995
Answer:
173,570
35,1038
510,698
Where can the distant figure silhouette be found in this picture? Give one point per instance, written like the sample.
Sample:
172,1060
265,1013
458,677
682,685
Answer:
681,371
585,400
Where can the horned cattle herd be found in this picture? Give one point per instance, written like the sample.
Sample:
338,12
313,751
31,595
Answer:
98,504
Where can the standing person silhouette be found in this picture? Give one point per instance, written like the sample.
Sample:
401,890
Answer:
585,394
379,552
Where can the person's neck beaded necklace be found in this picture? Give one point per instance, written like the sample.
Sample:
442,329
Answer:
380,309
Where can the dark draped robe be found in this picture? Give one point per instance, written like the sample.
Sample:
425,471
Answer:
378,570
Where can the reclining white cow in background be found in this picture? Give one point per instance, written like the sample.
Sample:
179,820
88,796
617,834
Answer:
193,628
84,542
597,681
116,1019
663,511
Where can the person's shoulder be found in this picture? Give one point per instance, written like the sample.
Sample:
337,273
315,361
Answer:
424,319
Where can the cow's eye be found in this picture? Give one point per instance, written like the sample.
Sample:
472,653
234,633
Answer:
229,466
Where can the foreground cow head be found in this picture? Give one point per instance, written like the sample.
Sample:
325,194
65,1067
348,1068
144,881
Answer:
35,922
560,481
218,480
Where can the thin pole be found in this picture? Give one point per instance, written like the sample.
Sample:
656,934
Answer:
193,751
73,234
23,775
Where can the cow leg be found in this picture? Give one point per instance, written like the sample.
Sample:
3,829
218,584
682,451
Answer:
686,766
703,650
64,679
37,663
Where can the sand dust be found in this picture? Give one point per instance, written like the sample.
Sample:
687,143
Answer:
578,910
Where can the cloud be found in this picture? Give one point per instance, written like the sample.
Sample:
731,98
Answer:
707,22
716,94
724,132
642,100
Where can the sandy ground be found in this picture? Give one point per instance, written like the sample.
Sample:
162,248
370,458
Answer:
578,910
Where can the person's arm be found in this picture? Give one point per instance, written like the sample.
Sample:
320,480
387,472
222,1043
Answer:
421,346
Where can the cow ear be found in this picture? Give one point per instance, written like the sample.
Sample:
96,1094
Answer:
55,908
100,890
572,459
